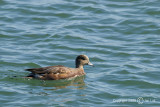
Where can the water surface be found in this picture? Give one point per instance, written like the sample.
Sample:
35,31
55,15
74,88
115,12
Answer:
120,37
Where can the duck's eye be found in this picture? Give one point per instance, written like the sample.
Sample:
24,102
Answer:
83,58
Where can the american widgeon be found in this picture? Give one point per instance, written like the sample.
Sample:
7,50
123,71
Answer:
59,71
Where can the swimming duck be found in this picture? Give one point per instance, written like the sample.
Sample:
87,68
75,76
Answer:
59,71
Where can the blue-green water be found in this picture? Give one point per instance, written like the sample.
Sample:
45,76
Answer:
122,39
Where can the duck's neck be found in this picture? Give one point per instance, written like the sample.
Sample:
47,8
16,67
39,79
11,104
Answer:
79,66
80,69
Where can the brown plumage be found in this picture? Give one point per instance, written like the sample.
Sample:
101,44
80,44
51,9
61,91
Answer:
60,71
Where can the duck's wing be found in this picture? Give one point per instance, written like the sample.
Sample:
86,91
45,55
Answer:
50,69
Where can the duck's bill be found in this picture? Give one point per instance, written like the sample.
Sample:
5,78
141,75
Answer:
90,64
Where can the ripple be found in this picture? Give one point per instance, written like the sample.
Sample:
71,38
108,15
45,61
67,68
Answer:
141,84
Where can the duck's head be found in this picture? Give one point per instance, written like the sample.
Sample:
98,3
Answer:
82,60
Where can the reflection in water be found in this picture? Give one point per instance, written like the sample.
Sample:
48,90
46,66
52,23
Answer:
77,83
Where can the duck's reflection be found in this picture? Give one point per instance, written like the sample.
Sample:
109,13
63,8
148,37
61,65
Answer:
72,83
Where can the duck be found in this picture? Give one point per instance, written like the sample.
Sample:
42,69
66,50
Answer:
59,71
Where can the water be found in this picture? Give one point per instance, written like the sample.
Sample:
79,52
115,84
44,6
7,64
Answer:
122,39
